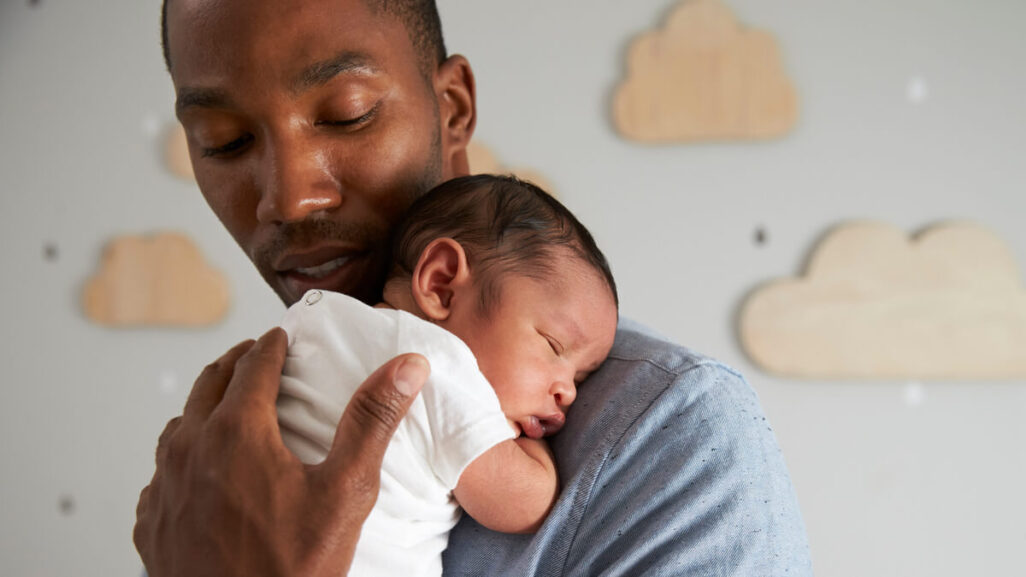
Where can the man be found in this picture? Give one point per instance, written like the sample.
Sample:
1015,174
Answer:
311,127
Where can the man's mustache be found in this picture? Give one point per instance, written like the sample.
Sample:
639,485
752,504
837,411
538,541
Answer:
298,236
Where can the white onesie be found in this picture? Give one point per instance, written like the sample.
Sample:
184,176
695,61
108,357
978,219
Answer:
335,342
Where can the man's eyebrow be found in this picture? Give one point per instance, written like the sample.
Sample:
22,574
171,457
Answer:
200,98
320,73
312,76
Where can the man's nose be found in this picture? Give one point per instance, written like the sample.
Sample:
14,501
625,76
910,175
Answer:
297,181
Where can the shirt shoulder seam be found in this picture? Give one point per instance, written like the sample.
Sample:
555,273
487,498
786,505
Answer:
684,364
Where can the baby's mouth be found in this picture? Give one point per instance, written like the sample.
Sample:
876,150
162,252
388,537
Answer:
536,428
552,424
532,428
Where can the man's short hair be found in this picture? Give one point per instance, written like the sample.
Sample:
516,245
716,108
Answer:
419,17
505,225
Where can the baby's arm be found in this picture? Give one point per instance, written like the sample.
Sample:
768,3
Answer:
511,487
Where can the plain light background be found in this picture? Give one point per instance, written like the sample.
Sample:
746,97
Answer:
911,113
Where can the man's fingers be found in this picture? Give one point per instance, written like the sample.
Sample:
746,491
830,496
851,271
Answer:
209,388
152,491
258,374
169,429
369,421
164,441
141,506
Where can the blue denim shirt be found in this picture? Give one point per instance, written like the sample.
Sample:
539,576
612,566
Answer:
669,467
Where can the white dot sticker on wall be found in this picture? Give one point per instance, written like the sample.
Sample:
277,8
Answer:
915,394
168,382
917,90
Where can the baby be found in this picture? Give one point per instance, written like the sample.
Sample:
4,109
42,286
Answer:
506,294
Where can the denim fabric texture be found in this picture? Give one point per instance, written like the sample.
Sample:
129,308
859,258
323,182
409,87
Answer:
669,467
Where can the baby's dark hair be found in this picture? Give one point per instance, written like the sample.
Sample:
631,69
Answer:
504,225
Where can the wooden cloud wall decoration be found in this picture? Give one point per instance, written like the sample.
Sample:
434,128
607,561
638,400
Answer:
176,153
948,304
483,161
158,280
703,76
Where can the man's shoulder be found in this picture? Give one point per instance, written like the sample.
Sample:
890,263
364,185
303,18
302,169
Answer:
647,364
669,467
679,438
638,343
662,398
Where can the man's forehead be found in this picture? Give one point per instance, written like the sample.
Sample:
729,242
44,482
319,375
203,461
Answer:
209,6
230,24
298,44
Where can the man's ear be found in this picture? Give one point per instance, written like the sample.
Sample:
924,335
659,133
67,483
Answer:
441,276
457,112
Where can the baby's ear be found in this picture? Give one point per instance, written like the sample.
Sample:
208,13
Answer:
441,274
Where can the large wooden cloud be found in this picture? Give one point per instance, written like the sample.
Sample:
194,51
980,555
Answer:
703,76
483,161
159,280
875,304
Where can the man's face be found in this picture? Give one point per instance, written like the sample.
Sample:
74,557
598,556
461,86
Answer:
311,128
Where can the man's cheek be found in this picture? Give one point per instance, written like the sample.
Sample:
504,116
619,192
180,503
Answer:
400,173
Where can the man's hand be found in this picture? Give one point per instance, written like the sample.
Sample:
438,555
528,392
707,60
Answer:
228,498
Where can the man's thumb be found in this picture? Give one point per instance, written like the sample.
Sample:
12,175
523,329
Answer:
373,414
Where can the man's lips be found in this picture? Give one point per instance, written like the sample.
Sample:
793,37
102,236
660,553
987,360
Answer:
327,268
316,261
323,269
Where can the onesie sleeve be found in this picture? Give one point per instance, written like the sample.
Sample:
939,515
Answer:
463,414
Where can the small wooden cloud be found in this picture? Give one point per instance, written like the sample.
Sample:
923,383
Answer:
483,161
159,280
704,77
875,304
176,153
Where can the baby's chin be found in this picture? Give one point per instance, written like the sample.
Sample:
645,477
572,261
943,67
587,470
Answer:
517,429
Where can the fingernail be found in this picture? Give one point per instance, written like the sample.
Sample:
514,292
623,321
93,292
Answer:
410,375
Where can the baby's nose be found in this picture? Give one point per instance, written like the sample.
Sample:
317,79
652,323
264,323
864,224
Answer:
565,393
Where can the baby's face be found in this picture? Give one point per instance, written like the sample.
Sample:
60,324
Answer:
540,340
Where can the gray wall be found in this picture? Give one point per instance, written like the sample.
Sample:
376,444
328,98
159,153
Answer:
893,478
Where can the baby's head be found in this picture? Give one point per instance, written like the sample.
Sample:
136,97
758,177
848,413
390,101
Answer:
509,270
